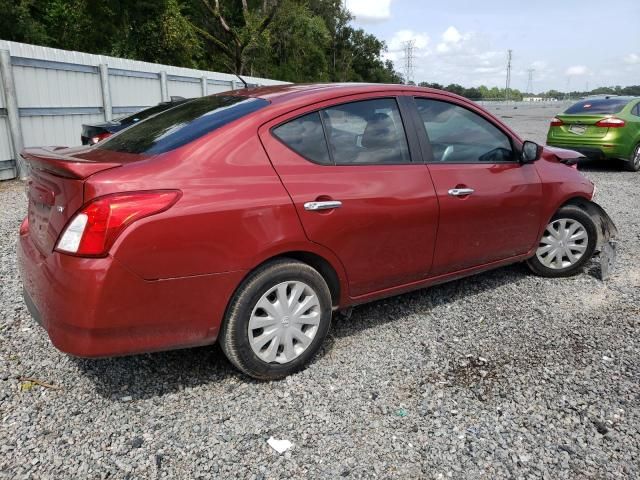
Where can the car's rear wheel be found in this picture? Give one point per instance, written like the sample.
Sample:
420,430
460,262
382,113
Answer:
567,244
633,164
277,320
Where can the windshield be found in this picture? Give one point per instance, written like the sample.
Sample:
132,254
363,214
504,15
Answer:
598,105
182,124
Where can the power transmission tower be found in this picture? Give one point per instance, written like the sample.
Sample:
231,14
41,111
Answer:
508,84
530,80
409,48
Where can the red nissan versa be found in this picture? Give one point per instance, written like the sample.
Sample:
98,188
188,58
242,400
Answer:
249,217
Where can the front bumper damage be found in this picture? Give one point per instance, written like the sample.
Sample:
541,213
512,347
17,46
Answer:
606,245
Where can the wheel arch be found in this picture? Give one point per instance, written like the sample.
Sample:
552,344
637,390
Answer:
330,269
606,228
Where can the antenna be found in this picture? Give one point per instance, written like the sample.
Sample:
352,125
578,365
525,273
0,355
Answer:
530,80
246,85
508,83
409,47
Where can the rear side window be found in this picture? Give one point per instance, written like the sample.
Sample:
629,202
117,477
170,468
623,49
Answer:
366,132
304,135
636,110
182,124
598,106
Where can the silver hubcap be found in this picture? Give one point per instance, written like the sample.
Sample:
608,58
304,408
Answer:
284,322
563,244
636,157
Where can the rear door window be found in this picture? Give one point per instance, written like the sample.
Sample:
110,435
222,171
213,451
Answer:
597,106
182,124
366,132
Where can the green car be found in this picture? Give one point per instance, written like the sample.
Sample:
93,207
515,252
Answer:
604,127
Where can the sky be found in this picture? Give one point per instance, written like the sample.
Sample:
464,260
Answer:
579,44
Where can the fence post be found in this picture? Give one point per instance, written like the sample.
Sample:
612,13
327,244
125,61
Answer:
203,83
164,88
13,114
106,92
233,84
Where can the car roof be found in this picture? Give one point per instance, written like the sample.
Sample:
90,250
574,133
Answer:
290,93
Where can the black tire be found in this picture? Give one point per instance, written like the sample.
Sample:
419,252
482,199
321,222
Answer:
633,164
575,213
234,335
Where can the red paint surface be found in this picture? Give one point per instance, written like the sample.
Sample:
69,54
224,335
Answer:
169,277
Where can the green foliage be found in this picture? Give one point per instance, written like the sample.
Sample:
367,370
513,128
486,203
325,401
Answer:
477,93
293,40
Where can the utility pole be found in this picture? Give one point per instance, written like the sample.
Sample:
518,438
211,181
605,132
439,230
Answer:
530,80
508,84
409,47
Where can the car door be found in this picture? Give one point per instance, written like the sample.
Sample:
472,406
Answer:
490,203
347,165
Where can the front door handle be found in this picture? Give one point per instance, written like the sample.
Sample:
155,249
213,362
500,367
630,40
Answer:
325,205
461,192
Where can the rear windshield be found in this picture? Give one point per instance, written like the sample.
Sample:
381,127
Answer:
182,124
598,105
146,113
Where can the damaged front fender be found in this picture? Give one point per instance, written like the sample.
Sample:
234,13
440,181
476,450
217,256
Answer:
606,245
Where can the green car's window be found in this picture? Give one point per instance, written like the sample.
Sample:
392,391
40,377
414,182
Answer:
458,135
598,106
636,110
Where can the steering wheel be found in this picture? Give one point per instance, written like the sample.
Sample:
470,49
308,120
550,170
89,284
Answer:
447,153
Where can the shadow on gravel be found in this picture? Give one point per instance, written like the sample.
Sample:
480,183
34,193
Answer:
157,374
387,310
601,166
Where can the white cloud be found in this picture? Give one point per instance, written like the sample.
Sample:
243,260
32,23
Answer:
396,44
632,59
577,71
451,35
367,11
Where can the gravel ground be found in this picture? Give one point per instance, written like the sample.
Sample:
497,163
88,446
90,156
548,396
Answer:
502,375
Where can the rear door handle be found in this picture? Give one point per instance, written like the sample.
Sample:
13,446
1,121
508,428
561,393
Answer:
326,205
460,192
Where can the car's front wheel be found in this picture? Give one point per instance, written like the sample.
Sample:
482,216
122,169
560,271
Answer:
567,244
633,164
277,320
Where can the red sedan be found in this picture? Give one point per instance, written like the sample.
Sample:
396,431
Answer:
250,217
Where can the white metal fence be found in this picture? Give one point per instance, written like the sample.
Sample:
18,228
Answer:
47,94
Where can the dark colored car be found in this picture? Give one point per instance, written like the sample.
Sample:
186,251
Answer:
601,128
95,132
250,217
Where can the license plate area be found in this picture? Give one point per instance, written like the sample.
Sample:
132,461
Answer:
578,129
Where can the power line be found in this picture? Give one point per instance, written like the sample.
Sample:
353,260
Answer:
530,80
508,83
409,49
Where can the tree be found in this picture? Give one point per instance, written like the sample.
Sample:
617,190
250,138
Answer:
235,34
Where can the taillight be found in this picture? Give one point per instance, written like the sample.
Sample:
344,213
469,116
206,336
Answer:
24,226
93,230
556,122
99,137
611,122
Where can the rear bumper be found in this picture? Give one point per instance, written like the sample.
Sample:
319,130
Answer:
97,307
594,152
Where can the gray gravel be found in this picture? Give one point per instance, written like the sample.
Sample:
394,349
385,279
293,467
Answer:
502,375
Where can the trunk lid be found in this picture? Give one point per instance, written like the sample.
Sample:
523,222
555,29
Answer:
55,188
579,126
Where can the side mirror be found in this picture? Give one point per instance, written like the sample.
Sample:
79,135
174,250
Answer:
531,152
